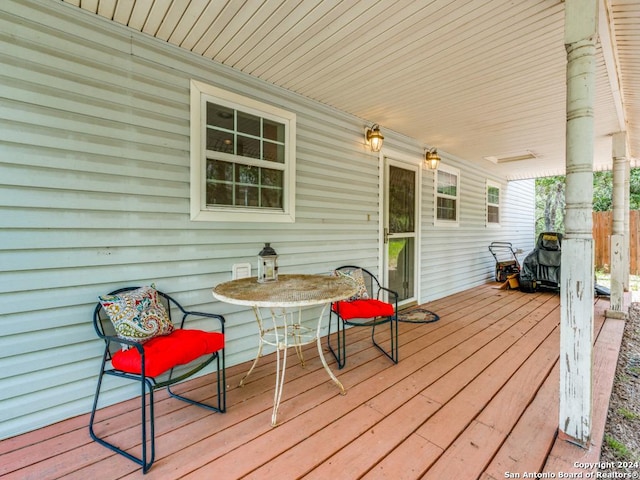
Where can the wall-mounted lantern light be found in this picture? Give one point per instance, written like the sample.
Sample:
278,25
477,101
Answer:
431,159
374,138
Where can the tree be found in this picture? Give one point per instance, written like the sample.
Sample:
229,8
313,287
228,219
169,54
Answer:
550,198
550,204
603,190
634,189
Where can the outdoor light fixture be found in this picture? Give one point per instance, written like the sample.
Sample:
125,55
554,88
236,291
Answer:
267,264
374,137
431,159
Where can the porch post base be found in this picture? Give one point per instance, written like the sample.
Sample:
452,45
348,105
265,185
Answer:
617,314
565,437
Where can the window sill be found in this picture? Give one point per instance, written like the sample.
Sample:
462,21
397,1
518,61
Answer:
242,216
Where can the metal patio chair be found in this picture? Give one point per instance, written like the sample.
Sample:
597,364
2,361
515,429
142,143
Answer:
159,362
366,309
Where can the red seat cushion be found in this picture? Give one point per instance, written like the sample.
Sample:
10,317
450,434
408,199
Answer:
165,352
363,309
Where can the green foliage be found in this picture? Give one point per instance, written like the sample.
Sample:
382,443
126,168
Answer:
603,189
619,449
634,189
628,414
550,202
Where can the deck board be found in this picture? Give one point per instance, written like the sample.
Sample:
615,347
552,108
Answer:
473,448
470,398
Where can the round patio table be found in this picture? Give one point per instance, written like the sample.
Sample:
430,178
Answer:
283,298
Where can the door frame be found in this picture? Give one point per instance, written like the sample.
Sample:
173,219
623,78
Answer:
412,162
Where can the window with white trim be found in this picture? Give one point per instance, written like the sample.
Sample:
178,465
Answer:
493,203
447,191
242,158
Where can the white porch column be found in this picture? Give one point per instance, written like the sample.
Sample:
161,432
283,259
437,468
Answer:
627,233
577,275
619,246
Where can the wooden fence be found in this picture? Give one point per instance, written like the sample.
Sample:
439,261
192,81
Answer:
602,226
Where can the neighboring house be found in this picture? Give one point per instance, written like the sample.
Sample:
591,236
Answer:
96,185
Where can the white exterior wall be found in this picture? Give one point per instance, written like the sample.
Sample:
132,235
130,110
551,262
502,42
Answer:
94,195
456,258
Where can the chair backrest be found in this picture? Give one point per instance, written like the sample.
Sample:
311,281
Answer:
370,280
550,241
104,327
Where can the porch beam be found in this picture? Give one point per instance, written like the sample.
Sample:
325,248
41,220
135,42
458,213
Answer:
619,247
607,36
577,275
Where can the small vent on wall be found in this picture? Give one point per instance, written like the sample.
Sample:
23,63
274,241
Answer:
517,157
240,270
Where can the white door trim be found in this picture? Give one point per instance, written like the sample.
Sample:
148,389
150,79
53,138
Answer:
405,161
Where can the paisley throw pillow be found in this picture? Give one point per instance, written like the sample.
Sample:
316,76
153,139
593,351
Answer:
137,315
358,278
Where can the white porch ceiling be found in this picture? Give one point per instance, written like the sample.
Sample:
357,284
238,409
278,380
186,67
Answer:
477,79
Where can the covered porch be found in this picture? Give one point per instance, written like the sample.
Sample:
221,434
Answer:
475,395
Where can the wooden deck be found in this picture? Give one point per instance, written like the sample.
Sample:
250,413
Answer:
474,396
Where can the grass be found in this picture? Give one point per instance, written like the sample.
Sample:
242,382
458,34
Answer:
628,414
620,449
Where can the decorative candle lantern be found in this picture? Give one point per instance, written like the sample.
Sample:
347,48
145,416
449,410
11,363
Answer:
267,264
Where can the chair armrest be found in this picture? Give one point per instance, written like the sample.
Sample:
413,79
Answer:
393,297
187,313
393,293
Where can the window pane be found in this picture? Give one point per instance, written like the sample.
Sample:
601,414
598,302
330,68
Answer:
220,171
219,194
493,214
247,175
219,141
248,147
401,266
219,116
248,123
493,195
402,200
273,130
246,196
273,152
447,183
446,209
271,197
272,178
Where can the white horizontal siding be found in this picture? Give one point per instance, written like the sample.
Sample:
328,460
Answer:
519,215
94,195
455,258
